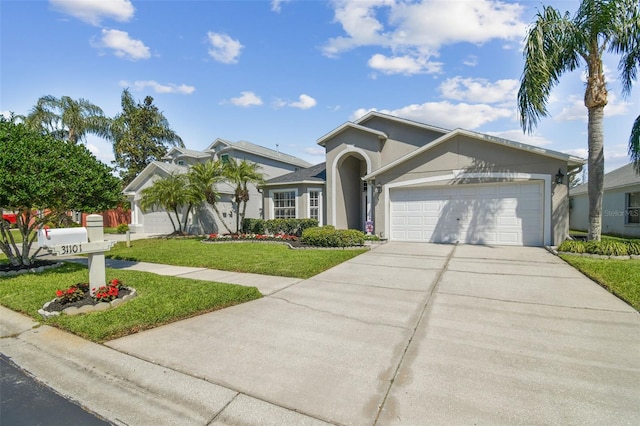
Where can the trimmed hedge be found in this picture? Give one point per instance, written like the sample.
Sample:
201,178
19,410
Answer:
605,248
328,236
278,226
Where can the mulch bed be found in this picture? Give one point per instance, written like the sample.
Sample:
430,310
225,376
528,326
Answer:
56,306
6,267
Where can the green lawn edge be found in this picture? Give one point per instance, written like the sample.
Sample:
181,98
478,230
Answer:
161,300
274,259
619,277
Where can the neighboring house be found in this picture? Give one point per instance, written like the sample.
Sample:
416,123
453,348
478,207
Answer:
203,219
417,182
620,203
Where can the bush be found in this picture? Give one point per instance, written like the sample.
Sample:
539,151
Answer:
122,228
604,248
328,236
278,226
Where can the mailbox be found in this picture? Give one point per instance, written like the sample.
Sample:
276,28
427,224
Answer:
62,236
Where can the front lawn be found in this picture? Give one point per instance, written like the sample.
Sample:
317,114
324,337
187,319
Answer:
160,300
620,277
259,258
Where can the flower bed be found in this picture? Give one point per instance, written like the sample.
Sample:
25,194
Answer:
77,299
252,237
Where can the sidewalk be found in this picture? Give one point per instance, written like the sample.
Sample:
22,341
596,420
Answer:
131,391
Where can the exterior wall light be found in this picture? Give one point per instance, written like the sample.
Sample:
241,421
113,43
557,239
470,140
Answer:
378,188
559,177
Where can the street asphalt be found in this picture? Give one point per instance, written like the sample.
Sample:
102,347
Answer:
406,334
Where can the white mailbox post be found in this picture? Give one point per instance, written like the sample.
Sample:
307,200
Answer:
73,241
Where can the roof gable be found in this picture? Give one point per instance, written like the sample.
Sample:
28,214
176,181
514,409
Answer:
349,125
573,161
150,170
368,116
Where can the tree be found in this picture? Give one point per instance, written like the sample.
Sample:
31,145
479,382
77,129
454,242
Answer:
67,119
634,145
140,134
171,194
574,180
241,174
43,174
557,43
204,177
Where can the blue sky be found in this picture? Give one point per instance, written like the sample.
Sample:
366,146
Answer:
283,73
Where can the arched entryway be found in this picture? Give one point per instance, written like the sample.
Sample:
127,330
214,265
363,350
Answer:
352,197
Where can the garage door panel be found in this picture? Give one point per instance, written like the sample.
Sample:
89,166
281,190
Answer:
477,214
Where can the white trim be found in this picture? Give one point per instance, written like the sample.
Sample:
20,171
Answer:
271,206
320,203
460,174
334,172
347,125
570,159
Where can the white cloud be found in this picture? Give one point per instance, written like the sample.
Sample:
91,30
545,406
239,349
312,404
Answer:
471,61
420,29
518,136
223,48
276,5
447,115
158,88
304,102
93,11
576,110
122,45
406,64
247,99
479,90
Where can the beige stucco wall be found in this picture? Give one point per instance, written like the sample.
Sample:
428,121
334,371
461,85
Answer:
613,212
475,156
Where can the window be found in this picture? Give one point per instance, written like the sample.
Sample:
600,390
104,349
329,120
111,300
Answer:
315,204
180,162
224,158
284,204
633,208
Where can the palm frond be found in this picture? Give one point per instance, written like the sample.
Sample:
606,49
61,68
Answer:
634,145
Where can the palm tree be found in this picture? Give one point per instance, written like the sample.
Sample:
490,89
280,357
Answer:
205,177
241,174
66,118
170,194
634,145
140,135
557,43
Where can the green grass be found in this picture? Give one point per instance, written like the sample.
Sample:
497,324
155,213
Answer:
620,277
160,300
258,258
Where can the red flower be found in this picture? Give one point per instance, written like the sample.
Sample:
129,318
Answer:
59,293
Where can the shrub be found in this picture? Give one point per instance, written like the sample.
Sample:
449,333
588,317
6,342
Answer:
122,228
328,236
604,248
278,226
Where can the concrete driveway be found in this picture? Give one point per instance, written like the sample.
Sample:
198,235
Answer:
419,334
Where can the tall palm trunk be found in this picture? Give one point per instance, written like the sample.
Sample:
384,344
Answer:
596,171
595,99
215,209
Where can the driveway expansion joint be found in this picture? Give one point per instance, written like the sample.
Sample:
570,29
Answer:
521,302
338,315
368,285
427,301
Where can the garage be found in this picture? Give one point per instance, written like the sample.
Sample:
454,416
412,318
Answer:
501,214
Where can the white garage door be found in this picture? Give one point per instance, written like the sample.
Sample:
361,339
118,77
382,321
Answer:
502,214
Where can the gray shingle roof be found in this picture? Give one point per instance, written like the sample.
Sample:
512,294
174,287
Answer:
623,176
267,152
317,173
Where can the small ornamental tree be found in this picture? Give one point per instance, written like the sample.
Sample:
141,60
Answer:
42,176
